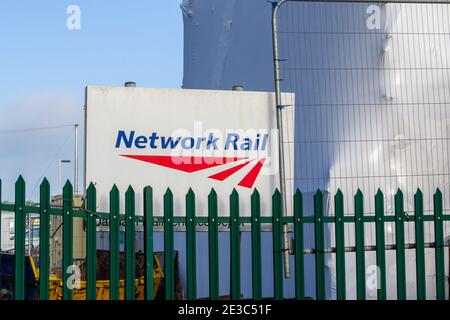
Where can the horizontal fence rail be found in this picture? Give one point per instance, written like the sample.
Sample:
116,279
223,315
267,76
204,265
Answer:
297,222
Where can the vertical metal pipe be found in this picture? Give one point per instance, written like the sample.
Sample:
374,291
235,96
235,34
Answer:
29,233
60,176
75,166
287,269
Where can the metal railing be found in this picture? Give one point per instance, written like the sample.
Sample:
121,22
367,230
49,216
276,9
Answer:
297,223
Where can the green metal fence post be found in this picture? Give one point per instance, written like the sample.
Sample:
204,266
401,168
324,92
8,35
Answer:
130,245
277,246
319,245
19,240
91,242
359,240
114,244
235,252
213,246
67,240
168,246
44,240
400,242
439,242
379,238
256,246
340,245
420,246
148,242
299,247
191,256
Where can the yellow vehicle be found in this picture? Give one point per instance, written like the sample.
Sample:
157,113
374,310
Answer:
103,287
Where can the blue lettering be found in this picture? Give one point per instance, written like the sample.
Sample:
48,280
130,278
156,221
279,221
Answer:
140,142
264,143
247,144
169,142
211,142
121,136
153,139
187,143
232,139
128,139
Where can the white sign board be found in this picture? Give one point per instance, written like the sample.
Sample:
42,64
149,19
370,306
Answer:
181,139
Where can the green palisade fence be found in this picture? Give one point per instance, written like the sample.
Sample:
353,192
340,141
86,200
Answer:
380,244
130,243
298,222
91,243
44,240
67,239
148,242
114,244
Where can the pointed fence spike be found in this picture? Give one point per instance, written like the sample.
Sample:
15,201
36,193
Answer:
212,193
379,193
129,189
438,192
114,189
168,192
68,184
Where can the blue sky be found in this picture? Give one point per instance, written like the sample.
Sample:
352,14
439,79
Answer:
138,40
44,68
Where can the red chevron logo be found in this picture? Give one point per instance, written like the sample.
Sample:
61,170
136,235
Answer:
192,164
